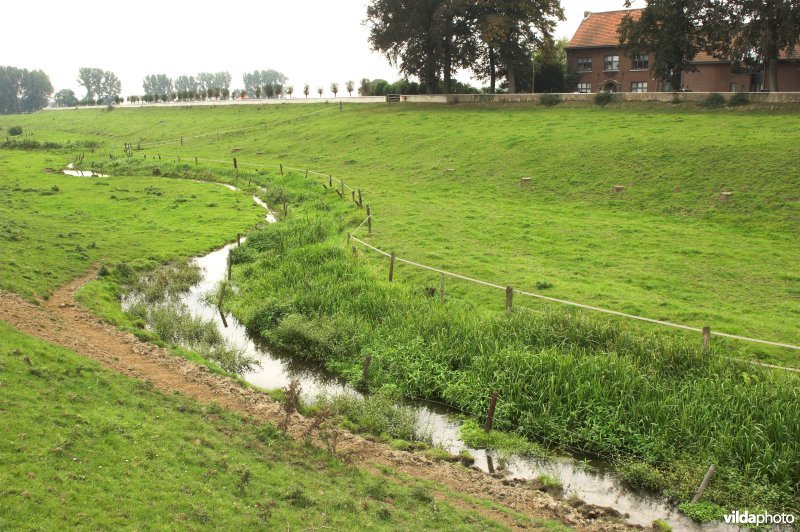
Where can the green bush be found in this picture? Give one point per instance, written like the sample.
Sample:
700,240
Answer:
15,131
603,98
550,100
642,476
714,100
738,99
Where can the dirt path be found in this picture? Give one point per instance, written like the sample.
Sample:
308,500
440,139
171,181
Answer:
62,321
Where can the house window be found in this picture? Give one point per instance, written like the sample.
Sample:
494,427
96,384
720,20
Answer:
611,62
732,86
585,88
639,86
584,64
641,62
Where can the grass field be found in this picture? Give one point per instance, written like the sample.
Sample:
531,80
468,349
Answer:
88,449
54,227
443,186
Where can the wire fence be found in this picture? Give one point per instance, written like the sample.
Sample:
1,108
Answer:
706,331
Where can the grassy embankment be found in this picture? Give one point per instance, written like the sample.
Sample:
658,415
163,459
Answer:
78,440
85,448
443,185
651,402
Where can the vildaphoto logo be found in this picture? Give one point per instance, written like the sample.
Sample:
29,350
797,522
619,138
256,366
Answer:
747,518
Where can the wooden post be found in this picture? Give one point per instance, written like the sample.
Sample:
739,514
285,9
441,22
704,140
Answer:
330,180
181,141
238,239
306,174
509,298
706,339
353,196
195,160
441,290
281,168
360,199
490,417
365,371
391,268
369,221
704,484
285,209
348,238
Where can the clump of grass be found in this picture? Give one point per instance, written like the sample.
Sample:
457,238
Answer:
702,512
738,99
714,101
473,435
377,414
642,476
550,100
603,98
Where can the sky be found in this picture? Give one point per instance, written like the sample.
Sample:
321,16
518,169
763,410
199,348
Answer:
310,41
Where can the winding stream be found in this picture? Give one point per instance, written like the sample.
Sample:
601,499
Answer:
597,485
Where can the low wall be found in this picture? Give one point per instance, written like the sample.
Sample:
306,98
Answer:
755,97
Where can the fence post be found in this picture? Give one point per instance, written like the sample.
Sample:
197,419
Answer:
238,239
706,339
490,417
391,268
281,168
236,167
195,160
441,290
181,141
348,238
365,371
369,221
341,186
306,174
230,262
360,199
285,209
330,180
509,298
704,484
353,196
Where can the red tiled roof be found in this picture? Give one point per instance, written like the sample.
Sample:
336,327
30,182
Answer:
600,29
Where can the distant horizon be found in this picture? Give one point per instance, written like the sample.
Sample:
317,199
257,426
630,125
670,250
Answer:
175,41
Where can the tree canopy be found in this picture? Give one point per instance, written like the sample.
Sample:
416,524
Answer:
23,91
670,30
262,78
430,39
158,85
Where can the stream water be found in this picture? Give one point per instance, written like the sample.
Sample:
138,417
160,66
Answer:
597,485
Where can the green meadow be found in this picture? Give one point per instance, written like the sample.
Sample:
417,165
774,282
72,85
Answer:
443,185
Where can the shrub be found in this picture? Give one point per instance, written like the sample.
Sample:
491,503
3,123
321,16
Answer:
550,100
603,98
714,100
15,131
738,99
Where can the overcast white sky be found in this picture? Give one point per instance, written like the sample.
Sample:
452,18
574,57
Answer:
311,41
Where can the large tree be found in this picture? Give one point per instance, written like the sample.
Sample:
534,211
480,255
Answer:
65,98
508,32
671,32
102,85
23,91
753,32
430,39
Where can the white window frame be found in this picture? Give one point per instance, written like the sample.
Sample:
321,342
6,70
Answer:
639,87
583,62
641,59
611,61
585,88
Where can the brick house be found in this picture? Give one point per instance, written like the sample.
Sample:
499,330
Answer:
595,54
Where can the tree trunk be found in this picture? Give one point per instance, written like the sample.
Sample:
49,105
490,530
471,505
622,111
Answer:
773,55
448,66
512,80
492,70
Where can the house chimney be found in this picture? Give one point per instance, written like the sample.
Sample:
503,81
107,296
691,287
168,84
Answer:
586,14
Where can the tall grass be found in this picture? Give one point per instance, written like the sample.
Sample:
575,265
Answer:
565,378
